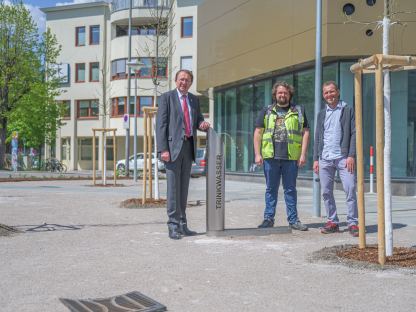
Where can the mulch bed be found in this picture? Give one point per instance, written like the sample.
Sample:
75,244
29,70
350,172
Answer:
106,185
402,256
137,203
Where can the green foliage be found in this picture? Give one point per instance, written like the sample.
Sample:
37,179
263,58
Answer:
28,78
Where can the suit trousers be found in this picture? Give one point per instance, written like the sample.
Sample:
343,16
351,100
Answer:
327,170
178,173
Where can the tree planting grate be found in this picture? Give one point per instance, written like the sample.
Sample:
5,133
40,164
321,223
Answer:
130,302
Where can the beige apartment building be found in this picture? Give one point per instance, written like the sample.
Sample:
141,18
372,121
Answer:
94,39
244,46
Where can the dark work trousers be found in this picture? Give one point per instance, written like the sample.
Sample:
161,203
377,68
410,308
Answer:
178,174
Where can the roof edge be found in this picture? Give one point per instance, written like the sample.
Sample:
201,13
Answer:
74,6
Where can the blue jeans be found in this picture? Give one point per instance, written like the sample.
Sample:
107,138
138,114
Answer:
288,170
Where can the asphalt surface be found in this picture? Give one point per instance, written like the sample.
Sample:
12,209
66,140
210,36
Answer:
91,248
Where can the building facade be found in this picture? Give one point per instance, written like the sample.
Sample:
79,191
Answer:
267,41
93,67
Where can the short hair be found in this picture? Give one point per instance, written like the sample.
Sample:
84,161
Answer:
184,71
283,84
330,83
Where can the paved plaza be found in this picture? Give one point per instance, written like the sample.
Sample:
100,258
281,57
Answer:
92,248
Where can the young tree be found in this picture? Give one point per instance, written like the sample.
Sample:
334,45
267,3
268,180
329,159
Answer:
28,80
160,50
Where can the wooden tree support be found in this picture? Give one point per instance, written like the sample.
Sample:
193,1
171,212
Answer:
103,161
148,114
374,64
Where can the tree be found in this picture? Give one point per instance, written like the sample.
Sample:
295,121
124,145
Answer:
160,50
28,79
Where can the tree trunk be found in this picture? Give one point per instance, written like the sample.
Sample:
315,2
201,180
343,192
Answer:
3,132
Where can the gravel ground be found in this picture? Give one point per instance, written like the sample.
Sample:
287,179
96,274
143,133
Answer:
77,242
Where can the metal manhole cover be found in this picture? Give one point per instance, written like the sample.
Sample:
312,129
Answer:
130,302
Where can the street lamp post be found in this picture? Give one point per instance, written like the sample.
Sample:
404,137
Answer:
136,67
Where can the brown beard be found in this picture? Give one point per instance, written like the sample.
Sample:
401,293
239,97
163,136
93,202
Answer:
282,104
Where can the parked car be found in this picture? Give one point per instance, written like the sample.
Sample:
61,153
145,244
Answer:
140,163
199,167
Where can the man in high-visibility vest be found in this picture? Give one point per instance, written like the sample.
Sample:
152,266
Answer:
280,143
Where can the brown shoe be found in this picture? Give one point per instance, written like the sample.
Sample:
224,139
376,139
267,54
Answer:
329,228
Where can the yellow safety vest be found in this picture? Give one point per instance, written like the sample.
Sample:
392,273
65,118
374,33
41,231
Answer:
294,129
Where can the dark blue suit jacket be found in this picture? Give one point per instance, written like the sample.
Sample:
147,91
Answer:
170,127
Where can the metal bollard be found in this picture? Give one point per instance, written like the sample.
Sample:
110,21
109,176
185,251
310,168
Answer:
215,183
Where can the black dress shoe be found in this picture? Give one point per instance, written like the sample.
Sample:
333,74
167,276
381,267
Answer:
185,231
174,234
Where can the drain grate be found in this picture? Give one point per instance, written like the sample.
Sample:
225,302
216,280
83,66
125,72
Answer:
45,227
130,302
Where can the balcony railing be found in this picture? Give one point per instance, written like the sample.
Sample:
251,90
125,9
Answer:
118,5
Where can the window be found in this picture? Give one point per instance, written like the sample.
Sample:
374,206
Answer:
162,68
80,36
94,71
66,149
118,69
87,108
95,34
146,70
118,104
145,101
61,72
121,30
109,149
85,149
186,62
131,108
80,72
150,3
149,68
66,108
146,30
204,104
186,27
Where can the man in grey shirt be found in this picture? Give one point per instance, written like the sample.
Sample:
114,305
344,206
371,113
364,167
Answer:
334,150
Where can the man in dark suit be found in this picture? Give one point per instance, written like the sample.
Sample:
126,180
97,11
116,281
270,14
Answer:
177,121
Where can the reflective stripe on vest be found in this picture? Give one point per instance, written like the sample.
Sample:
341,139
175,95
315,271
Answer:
293,129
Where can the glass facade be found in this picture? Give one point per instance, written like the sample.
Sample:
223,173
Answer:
236,108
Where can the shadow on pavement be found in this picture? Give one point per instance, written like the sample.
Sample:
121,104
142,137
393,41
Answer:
368,229
48,227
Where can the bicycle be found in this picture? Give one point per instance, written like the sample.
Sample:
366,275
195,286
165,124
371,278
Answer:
54,165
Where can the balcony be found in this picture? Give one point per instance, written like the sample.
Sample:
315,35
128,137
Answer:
118,5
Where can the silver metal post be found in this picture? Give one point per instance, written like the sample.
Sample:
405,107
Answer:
317,107
128,97
136,67
135,127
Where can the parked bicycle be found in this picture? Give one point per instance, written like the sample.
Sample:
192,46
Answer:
54,165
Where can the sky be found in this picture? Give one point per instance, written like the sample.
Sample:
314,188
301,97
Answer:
38,16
